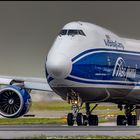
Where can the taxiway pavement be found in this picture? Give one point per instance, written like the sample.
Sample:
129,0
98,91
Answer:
108,129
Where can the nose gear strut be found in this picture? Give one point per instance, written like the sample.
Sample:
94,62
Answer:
81,119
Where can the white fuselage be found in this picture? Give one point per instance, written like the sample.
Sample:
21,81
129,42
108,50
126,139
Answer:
94,63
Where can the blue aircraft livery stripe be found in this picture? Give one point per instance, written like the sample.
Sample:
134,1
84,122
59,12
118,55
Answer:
97,82
102,49
110,65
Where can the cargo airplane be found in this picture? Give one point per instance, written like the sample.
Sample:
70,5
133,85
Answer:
86,64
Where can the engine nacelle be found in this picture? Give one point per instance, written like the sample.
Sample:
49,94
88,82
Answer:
14,101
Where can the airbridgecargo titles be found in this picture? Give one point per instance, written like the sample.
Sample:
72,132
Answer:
109,42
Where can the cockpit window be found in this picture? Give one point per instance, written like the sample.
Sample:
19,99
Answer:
81,33
72,32
63,32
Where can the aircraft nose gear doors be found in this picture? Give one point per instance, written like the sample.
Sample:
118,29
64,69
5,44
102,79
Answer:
79,117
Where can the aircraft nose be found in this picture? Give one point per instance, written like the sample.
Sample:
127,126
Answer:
58,65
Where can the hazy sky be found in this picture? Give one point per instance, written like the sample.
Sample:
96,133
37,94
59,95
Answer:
28,29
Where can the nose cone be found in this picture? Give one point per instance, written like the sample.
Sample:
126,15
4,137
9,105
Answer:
58,65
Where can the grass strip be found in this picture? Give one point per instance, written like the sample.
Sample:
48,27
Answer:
20,121
9,121
64,106
81,137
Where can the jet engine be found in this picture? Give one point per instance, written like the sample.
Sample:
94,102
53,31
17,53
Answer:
14,101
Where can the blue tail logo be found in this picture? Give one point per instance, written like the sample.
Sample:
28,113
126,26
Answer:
120,69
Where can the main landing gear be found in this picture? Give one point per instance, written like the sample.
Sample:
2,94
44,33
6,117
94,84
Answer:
128,118
79,118
92,120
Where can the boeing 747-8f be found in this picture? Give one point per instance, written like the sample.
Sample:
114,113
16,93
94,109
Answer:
86,64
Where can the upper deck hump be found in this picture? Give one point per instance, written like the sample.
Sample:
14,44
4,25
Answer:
101,32
132,44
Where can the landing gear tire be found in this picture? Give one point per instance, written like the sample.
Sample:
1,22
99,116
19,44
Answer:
79,119
128,118
121,120
93,120
70,119
132,120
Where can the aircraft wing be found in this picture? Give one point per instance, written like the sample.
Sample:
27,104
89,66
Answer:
26,82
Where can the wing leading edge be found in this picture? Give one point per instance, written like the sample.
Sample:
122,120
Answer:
27,82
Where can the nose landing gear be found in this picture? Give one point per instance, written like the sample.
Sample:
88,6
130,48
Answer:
87,119
75,115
